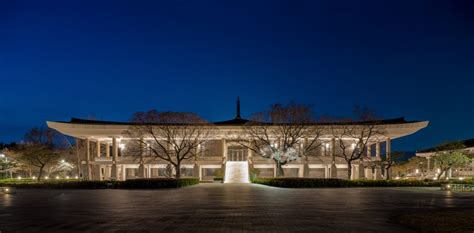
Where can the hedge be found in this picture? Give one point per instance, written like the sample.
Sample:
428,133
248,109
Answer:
340,183
128,184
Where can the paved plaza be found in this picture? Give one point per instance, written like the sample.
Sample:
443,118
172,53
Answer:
221,208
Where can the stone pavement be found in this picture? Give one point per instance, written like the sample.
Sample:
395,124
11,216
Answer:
220,208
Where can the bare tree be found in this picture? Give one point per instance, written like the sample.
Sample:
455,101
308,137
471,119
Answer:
388,161
39,149
353,137
284,133
170,136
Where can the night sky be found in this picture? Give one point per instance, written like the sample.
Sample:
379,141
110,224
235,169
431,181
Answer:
108,59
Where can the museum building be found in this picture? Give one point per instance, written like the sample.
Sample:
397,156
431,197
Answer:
106,155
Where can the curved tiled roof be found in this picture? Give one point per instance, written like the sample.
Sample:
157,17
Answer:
240,121
468,143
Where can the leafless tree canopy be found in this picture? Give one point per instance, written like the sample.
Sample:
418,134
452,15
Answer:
284,133
39,149
170,136
353,139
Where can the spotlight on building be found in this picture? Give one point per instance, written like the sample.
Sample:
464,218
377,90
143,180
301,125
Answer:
416,171
397,177
63,161
435,178
67,177
33,177
461,178
19,177
57,177
76,177
46,177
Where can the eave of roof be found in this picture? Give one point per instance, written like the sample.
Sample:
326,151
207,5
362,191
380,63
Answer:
240,121
468,143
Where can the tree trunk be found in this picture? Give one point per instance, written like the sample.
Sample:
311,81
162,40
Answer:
177,171
40,173
349,169
443,171
279,169
388,172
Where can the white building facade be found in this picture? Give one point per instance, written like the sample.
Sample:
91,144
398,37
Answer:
105,155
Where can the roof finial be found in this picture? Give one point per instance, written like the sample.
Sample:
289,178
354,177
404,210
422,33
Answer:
238,108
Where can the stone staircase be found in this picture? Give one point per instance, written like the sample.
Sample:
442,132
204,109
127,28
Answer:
236,172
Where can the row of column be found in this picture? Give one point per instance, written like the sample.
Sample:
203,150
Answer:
388,150
89,167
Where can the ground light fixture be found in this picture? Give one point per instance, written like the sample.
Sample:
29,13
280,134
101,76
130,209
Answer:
76,177
46,177
7,190
57,177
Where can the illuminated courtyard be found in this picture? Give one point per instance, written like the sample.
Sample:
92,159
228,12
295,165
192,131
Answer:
222,208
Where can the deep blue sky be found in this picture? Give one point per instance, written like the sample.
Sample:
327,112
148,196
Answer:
108,59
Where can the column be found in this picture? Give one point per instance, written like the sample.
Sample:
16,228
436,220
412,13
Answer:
114,159
149,171
196,166
88,157
98,148
388,148
388,154
224,158
306,162
355,169
107,150
141,166
249,152
79,165
124,172
224,149
369,151
333,156
377,151
97,175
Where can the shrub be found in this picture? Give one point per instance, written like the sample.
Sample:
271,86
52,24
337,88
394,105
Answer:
128,184
340,183
155,183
